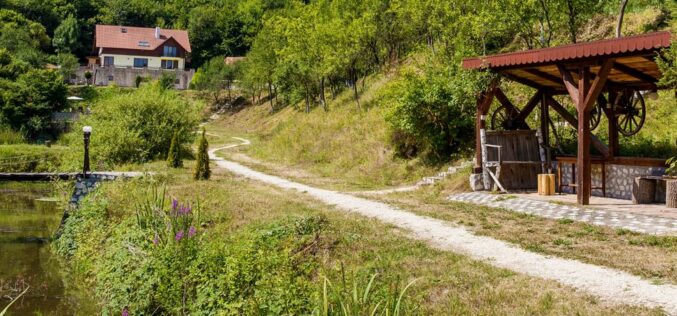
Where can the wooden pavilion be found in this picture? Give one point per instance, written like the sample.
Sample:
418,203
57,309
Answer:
607,76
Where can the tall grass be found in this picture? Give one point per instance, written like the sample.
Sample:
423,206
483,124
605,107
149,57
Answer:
363,299
8,136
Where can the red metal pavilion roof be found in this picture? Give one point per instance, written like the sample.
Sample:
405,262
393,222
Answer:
609,47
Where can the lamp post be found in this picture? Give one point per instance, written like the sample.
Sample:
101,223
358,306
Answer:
87,131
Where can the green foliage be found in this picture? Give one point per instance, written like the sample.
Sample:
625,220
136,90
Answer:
8,136
136,126
256,270
27,103
67,63
202,171
362,300
672,166
67,36
166,81
137,81
30,158
215,76
433,113
174,156
667,62
22,37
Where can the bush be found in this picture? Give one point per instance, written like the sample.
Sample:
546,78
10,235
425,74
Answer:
30,158
202,171
138,126
174,155
434,113
139,264
27,103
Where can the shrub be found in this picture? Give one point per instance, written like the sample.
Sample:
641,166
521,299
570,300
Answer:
202,171
139,264
30,158
166,81
137,126
8,136
433,113
174,155
27,103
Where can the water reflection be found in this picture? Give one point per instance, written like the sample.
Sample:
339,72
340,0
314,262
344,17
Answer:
29,216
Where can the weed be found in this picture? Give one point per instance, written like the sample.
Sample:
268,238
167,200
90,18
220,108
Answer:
562,242
565,221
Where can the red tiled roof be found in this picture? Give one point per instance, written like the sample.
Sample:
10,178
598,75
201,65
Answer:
111,36
614,46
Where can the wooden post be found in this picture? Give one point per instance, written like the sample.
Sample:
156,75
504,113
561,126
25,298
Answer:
545,131
483,105
584,176
613,129
671,193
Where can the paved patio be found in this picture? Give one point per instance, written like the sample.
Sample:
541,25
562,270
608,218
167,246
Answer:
650,219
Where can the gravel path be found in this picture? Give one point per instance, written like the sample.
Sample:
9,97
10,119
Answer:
608,284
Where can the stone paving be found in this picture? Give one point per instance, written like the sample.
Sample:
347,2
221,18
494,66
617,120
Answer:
635,222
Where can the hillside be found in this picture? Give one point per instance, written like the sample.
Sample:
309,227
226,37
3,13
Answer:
341,143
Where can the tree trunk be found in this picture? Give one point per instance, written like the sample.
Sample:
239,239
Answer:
643,191
323,101
621,13
307,100
354,82
671,193
270,96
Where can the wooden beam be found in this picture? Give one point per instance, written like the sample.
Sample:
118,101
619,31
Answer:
546,76
522,80
501,97
569,83
610,113
530,106
597,84
483,104
571,119
634,73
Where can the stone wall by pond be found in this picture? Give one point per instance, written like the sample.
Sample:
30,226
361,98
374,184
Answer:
619,180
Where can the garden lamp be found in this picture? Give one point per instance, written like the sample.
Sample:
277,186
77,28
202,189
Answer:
87,131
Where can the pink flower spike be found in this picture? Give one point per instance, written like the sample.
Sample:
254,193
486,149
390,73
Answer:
156,240
179,235
175,204
125,312
192,231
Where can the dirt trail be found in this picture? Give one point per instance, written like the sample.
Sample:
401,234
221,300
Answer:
608,284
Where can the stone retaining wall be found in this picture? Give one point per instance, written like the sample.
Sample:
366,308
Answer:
619,180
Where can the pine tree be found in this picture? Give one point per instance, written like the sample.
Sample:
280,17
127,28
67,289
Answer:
202,171
174,156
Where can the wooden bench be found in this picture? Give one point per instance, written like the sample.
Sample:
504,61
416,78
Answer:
572,160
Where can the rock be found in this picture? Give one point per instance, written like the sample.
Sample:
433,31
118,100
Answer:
476,182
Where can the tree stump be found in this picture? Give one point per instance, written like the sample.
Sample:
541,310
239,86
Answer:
671,193
643,190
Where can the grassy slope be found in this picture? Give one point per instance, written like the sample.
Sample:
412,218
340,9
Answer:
345,144
448,284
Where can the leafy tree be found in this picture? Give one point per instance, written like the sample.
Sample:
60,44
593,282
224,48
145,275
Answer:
67,36
28,103
214,77
67,63
202,171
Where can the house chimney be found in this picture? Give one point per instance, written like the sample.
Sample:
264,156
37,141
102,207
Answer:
157,32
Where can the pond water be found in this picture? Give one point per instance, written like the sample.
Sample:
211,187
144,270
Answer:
29,217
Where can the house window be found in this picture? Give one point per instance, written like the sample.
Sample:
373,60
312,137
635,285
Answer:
140,62
110,78
108,60
168,64
169,51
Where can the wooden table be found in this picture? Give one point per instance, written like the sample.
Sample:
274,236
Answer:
561,160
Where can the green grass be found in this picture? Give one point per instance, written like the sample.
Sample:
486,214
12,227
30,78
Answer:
349,146
349,250
31,158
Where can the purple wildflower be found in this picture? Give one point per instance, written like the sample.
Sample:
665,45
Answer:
156,240
175,204
191,231
185,209
179,235
125,312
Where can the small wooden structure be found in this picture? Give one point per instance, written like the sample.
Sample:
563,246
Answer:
515,155
606,77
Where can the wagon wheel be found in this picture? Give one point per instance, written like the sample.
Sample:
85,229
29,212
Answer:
595,116
504,119
630,112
